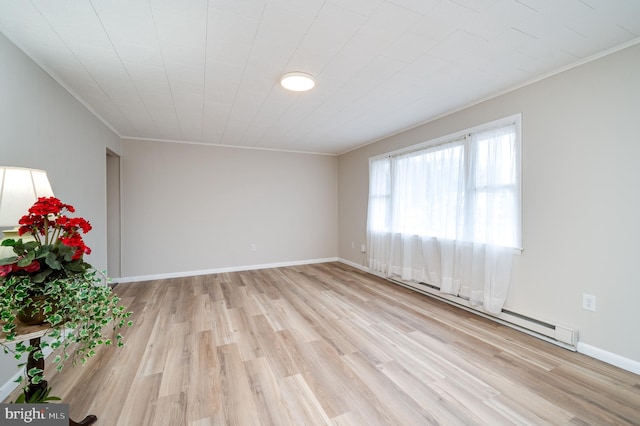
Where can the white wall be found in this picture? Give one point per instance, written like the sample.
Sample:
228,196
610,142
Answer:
581,232
43,126
189,208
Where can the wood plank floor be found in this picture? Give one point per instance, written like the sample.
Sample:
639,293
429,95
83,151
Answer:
328,344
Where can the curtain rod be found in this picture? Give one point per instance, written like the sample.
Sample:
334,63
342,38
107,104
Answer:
423,146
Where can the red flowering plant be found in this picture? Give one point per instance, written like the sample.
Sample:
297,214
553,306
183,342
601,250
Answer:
56,249
48,276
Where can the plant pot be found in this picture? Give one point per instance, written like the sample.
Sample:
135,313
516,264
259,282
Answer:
33,314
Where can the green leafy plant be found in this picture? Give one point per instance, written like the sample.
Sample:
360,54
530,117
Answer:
77,309
49,276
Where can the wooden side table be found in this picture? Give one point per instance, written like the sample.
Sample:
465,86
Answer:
33,333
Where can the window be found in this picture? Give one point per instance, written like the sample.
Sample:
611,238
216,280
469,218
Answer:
447,213
464,188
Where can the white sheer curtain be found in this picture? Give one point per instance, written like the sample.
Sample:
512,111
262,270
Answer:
449,215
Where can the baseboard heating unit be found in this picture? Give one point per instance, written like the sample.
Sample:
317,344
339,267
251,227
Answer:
560,335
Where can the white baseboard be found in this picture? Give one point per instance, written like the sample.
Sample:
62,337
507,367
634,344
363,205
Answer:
609,358
354,264
221,270
9,386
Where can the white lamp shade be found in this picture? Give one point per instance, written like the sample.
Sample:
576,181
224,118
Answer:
19,189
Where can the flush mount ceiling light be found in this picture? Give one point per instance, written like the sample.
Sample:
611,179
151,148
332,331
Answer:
297,81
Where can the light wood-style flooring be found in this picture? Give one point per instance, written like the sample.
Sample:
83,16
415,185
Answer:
329,344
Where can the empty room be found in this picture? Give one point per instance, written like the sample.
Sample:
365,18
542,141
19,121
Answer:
320,212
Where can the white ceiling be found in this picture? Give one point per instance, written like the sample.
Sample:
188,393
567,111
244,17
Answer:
207,71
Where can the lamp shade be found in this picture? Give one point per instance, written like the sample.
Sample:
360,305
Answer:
19,189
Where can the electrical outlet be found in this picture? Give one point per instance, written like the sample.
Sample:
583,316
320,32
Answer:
363,248
588,302
252,247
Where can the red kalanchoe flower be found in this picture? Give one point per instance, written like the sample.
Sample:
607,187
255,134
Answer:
5,270
75,241
46,206
77,222
49,225
32,267
46,217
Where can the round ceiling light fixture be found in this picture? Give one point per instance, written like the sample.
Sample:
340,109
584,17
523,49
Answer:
297,81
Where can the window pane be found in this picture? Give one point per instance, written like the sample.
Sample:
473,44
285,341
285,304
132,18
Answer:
379,195
494,218
495,158
426,191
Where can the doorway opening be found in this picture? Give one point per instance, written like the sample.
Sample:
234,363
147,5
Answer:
113,215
